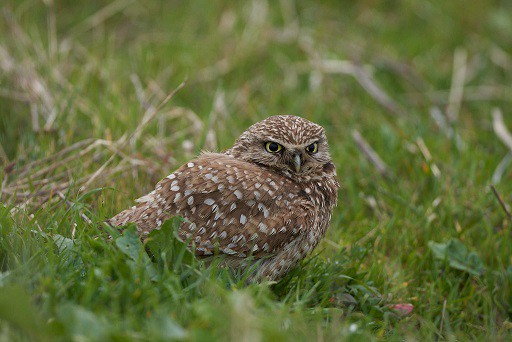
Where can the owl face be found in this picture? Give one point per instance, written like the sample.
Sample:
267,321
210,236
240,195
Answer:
288,144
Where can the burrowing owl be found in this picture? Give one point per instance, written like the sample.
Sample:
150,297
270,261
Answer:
268,197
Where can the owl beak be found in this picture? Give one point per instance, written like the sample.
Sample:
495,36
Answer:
296,162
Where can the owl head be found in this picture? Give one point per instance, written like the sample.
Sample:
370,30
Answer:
288,144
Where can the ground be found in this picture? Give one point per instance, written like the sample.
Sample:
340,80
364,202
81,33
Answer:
98,101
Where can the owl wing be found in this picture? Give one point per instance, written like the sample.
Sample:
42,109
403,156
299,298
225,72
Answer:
230,206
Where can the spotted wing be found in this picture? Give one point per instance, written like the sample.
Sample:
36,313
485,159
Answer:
232,206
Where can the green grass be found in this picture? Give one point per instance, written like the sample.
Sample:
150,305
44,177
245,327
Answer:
91,70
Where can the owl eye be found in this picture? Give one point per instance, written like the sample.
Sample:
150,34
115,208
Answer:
313,148
273,147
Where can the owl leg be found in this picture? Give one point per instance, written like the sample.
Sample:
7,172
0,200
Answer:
273,269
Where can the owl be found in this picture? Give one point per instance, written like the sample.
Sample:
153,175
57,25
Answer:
268,198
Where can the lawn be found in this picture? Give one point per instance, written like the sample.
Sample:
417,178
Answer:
100,100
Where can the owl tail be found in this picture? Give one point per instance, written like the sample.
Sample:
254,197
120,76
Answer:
147,215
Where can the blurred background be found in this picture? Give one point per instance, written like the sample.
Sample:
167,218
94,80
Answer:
415,97
395,71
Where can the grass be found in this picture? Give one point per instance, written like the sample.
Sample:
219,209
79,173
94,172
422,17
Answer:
419,80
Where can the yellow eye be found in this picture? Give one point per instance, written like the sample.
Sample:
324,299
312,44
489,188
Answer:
273,147
313,148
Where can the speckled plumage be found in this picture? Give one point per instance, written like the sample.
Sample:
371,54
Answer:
249,201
